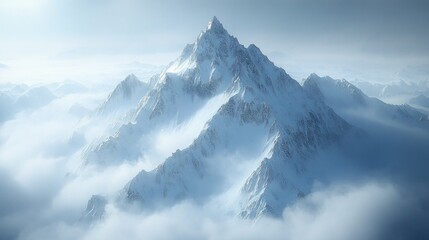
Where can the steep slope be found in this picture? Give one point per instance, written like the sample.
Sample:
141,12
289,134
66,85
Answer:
124,97
95,210
255,144
110,115
184,88
359,109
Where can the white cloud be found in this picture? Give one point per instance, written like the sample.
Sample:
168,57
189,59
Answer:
46,195
338,212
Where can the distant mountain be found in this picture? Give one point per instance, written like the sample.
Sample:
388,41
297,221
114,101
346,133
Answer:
34,97
78,110
353,105
420,100
16,98
13,90
95,210
394,89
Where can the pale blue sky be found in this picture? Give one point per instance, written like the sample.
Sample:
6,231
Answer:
378,40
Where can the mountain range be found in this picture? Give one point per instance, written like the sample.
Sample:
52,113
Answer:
232,125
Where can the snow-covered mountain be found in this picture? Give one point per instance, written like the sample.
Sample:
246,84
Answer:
16,98
124,97
420,100
258,131
353,105
393,89
34,97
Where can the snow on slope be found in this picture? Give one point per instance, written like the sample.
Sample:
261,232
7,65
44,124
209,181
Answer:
354,106
124,97
176,97
95,210
111,114
259,138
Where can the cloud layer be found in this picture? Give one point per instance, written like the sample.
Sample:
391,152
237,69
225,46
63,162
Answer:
345,211
379,192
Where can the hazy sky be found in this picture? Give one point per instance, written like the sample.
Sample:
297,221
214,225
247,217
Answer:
378,40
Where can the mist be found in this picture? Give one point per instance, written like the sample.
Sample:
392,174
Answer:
381,187
61,61
347,211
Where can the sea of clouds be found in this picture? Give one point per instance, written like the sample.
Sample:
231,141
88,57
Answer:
44,188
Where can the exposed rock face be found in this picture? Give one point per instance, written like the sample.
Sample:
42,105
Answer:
95,210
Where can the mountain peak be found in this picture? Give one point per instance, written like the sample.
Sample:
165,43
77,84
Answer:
313,75
128,86
215,26
212,44
131,78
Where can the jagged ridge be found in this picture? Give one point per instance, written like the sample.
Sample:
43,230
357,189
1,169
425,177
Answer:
264,103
